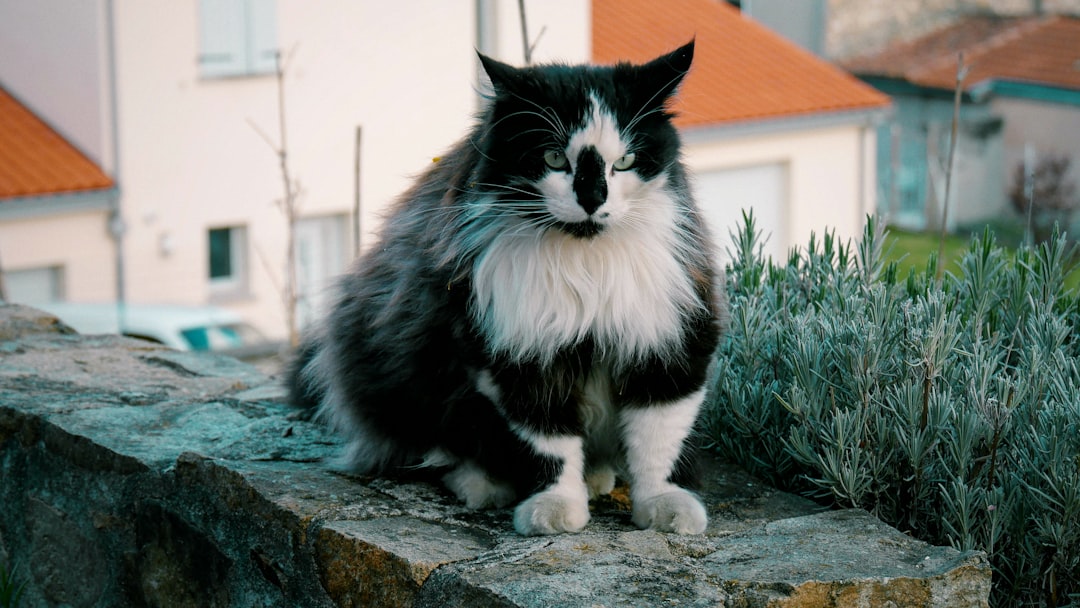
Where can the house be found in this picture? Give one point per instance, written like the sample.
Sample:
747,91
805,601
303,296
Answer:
51,192
856,27
766,125
1020,100
176,105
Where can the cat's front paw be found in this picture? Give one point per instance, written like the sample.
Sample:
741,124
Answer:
676,511
551,513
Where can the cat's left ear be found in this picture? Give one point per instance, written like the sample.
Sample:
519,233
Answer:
661,76
504,77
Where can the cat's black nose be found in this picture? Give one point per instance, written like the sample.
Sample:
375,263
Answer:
590,184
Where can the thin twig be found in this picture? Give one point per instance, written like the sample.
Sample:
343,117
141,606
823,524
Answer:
961,73
288,203
536,41
263,135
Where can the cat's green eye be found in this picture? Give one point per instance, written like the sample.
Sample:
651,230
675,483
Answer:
555,159
624,162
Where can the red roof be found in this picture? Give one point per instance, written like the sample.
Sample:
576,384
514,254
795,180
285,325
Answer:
35,160
1043,50
742,70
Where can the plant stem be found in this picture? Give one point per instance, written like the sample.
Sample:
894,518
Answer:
961,72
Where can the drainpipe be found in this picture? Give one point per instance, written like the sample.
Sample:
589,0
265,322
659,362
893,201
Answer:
117,226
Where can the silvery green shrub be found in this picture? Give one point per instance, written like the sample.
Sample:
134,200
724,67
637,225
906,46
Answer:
949,408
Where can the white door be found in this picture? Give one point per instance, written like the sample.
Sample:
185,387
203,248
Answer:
724,194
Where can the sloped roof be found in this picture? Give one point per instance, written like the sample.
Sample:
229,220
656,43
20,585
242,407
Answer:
1041,50
36,160
742,71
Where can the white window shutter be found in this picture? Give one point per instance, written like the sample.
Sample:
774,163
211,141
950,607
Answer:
221,41
262,36
237,37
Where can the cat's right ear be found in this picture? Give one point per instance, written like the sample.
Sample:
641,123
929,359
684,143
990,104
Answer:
505,78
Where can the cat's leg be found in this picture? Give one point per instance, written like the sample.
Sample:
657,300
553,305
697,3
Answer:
653,436
558,453
564,505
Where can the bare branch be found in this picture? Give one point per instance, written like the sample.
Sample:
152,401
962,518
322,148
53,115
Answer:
525,33
526,45
961,73
532,47
263,135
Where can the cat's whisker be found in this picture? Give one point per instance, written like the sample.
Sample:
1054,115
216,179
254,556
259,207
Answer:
479,150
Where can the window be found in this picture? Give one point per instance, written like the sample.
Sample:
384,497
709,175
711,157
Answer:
237,38
35,285
227,268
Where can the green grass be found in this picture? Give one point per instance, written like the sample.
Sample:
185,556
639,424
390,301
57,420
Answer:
912,250
10,590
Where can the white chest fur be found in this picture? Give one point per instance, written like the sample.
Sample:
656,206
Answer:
537,292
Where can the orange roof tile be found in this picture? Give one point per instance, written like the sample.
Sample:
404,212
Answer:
36,160
742,70
1044,50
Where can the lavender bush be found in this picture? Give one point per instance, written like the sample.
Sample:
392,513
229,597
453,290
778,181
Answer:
950,409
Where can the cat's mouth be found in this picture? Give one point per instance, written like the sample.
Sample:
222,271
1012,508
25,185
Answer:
582,230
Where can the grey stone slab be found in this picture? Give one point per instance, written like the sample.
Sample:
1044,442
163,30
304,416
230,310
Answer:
176,479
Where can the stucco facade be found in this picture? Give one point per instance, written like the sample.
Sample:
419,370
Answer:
826,171
122,80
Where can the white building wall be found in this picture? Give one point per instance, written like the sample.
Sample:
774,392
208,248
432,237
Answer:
52,59
191,159
87,263
559,30
820,166
1049,128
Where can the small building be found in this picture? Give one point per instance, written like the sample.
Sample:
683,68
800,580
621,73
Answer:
1020,100
50,192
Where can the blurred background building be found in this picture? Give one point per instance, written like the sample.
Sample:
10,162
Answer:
140,140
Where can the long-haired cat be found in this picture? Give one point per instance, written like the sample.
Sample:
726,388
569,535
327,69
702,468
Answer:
541,309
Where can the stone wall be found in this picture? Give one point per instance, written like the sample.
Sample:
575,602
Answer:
132,475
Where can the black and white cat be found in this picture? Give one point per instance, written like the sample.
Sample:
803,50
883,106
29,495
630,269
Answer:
541,309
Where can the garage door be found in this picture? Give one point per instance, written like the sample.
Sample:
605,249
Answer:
724,194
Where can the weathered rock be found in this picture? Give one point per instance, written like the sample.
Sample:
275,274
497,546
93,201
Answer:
134,475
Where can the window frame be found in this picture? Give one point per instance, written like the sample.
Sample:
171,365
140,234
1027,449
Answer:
235,284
